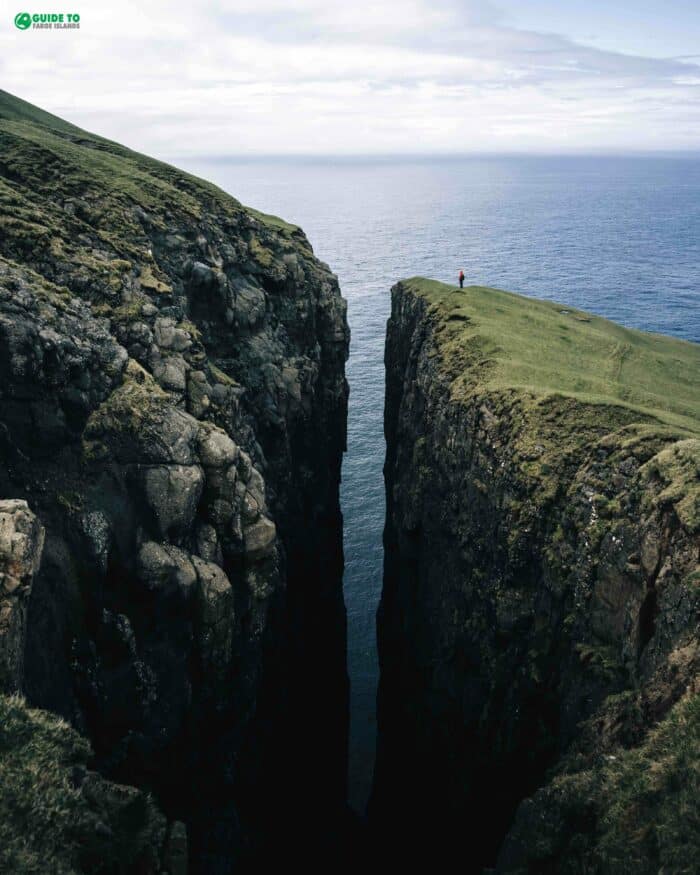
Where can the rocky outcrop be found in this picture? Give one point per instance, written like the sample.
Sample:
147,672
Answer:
58,815
21,545
56,812
539,619
172,408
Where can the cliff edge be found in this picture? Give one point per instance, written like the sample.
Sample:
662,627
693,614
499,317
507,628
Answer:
538,628
172,413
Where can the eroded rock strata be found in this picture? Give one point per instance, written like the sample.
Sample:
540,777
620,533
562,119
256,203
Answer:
172,411
538,627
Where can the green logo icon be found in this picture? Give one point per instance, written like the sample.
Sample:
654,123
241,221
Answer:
23,20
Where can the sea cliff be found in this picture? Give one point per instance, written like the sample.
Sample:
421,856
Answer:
172,423
538,628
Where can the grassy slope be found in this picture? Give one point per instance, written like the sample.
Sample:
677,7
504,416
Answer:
79,156
544,348
15,109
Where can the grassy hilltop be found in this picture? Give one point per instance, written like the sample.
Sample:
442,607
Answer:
544,347
566,379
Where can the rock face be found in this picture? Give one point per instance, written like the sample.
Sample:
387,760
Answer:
172,409
21,545
539,619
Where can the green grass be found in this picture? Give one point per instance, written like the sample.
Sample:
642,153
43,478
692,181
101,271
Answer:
563,382
505,341
15,109
54,815
631,811
273,221
650,799
43,148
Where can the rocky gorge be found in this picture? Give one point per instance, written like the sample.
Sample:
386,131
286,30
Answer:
173,682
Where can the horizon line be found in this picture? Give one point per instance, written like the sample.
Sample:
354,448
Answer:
389,156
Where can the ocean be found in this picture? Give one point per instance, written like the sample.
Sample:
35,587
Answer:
619,236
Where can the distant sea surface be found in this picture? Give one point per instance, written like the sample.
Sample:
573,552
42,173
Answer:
617,236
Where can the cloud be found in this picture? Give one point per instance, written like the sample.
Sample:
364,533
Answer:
252,76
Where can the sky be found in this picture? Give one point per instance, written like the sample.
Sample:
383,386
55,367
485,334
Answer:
274,77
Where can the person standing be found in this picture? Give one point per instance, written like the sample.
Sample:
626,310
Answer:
461,279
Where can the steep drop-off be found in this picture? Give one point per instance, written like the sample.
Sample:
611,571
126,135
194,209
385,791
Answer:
172,411
538,629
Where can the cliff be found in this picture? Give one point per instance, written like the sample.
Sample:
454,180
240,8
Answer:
538,628
172,412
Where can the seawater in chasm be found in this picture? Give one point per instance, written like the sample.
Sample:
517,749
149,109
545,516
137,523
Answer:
617,236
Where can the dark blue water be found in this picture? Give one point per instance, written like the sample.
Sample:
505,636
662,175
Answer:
619,237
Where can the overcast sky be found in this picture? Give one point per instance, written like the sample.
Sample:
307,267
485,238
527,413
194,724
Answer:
320,76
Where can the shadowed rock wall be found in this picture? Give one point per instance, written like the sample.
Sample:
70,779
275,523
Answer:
539,610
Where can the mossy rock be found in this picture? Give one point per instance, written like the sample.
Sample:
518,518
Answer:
630,811
58,816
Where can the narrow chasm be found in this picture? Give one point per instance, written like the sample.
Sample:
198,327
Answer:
538,627
173,411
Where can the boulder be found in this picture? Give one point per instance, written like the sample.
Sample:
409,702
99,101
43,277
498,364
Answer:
172,493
